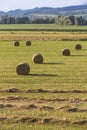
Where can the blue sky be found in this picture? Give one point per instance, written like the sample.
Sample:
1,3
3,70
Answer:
6,5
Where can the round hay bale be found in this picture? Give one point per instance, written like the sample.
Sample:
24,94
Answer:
28,43
16,43
23,69
78,47
66,52
37,58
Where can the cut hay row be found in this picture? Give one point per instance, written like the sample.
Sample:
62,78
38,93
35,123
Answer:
16,90
45,121
42,100
61,36
29,106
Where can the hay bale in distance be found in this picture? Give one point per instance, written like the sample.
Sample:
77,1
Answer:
23,69
78,47
66,52
16,43
37,58
28,43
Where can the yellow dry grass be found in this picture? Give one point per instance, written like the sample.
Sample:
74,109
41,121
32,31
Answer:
17,35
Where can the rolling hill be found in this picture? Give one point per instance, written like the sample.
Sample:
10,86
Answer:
70,10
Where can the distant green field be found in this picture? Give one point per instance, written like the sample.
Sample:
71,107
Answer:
54,94
40,27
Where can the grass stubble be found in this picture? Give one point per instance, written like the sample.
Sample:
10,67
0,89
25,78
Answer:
52,96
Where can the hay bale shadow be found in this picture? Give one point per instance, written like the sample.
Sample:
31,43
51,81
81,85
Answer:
53,63
78,55
84,50
50,75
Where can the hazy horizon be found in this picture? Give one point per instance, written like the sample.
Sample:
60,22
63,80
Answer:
7,5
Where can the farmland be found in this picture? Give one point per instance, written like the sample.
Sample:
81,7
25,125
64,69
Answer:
53,96
43,32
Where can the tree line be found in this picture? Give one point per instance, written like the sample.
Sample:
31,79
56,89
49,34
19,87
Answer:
60,20
70,20
25,20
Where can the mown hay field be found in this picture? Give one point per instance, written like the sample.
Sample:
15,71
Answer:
53,96
50,32
42,35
